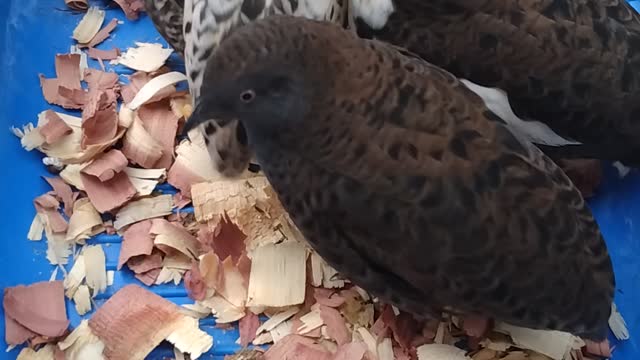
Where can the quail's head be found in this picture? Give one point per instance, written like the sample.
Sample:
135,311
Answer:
268,101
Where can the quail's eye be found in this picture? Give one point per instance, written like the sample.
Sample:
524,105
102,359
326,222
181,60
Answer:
247,96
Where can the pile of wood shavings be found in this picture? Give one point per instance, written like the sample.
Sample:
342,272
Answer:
239,254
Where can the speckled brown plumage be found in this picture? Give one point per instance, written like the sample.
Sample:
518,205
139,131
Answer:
572,64
401,178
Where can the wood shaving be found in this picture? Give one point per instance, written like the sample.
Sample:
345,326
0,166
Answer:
617,324
71,175
193,164
146,208
196,310
54,129
162,124
84,223
212,199
47,352
89,26
82,344
188,338
168,235
283,264
554,344
441,352
151,88
234,289
385,350
36,229
82,300
168,275
75,276
103,54
145,57
281,331
96,272
78,5
107,165
223,310
369,340
140,147
277,319
147,319
310,322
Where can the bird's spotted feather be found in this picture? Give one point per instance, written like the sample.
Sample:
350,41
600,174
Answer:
404,181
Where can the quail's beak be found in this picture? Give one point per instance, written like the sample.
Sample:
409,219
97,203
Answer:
195,120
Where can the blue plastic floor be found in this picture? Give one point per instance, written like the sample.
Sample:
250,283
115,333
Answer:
34,31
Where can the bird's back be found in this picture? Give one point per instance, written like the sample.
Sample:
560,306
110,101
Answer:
402,179
571,64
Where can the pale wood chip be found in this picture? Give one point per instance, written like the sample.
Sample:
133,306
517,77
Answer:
85,221
82,300
278,275
96,272
277,319
554,344
82,344
146,208
441,352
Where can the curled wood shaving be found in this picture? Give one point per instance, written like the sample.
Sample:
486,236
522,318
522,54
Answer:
89,26
146,208
140,147
71,175
82,344
85,222
278,275
145,57
96,272
154,86
174,237
145,180
192,165
79,5
69,149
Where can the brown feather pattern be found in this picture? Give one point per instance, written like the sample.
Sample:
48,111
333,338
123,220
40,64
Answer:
406,183
572,64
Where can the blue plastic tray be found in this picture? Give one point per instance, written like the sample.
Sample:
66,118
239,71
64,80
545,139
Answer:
34,31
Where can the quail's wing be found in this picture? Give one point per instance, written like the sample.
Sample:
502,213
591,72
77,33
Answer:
571,64
440,203
167,16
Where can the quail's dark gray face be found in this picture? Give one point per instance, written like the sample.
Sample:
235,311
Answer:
267,102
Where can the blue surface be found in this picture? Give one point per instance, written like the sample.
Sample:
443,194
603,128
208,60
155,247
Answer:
35,30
